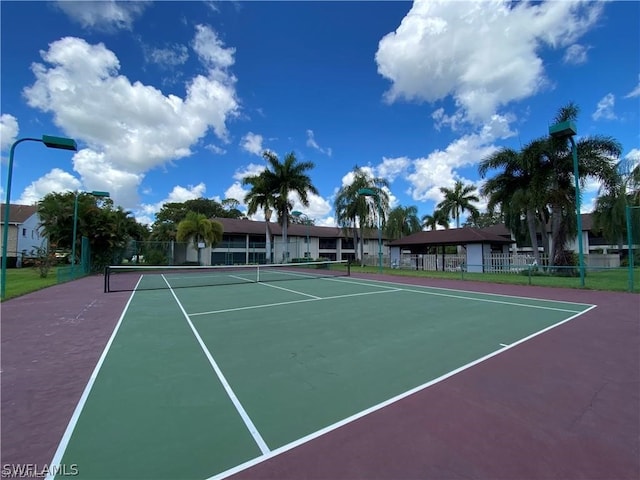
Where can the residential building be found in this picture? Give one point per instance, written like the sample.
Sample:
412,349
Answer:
24,235
244,241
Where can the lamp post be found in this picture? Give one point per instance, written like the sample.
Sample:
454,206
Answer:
96,194
61,143
307,221
564,130
367,192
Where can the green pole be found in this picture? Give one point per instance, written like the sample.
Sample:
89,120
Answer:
574,153
73,239
49,141
7,212
630,248
379,234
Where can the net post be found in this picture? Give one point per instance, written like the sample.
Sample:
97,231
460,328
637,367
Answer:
258,273
106,279
348,267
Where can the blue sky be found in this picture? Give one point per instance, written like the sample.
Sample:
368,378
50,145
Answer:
170,101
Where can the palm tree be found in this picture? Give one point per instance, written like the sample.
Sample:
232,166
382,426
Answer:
282,178
354,211
516,190
261,197
609,214
402,221
438,218
201,229
458,200
597,156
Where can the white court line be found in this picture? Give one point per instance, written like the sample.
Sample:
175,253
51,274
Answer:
386,403
66,437
487,300
241,411
290,302
292,291
471,291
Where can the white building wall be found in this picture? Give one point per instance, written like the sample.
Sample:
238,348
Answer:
29,238
475,255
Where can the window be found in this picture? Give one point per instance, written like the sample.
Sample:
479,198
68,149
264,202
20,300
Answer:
24,232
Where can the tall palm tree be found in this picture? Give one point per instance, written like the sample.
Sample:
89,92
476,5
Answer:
198,227
282,178
354,211
261,196
438,218
402,221
517,191
610,212
458,200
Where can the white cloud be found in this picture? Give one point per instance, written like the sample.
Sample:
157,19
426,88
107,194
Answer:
438,169
168,57
127,126
211,50
252,143
390,168
311,142
482,53
604,109
179,194
215,149
249,171
237,192
8,131
635,92
103,15
575,54
56,180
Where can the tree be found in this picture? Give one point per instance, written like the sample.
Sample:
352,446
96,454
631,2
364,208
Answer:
458,200
282,178
597,157
108,228
518,190
438,218
610,212
354,211
484,220
261,196
198,227
402,221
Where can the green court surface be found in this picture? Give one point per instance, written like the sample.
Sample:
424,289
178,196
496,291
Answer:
196,382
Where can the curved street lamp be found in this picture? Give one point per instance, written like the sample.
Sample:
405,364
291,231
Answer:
564,130
61,143
367,192
96,194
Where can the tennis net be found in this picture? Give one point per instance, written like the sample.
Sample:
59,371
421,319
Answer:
119,278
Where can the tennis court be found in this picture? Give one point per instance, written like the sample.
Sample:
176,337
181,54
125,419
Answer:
205,381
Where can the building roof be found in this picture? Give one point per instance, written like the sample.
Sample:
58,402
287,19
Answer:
18,213
253,227
452,236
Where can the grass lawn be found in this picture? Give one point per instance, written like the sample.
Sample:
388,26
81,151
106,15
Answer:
25,280
615,279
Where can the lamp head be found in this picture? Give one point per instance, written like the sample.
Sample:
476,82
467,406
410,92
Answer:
367,192
563,129
100,194
61,143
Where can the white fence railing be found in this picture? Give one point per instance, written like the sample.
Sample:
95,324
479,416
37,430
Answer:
495,262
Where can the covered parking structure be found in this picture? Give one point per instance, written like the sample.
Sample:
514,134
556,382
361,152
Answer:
472,245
